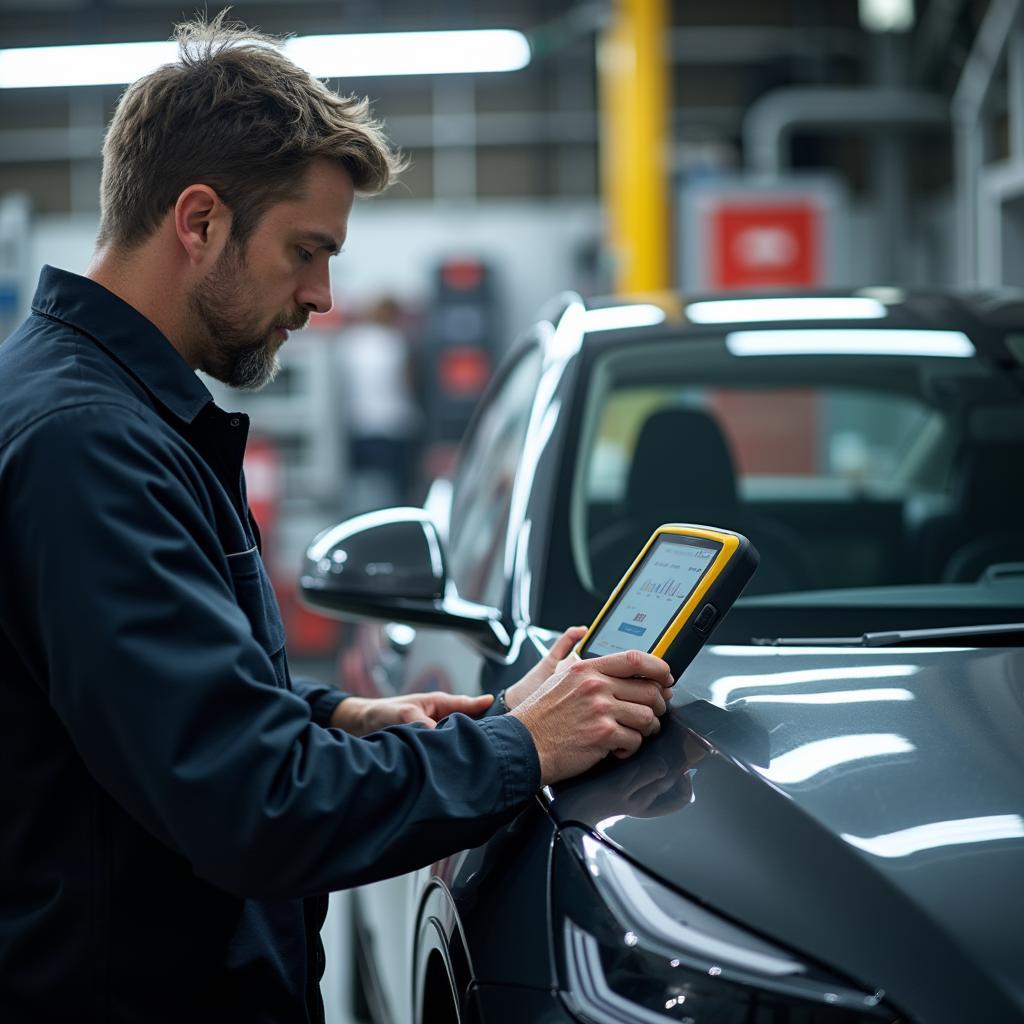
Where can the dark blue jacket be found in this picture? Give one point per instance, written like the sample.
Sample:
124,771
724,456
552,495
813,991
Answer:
171,802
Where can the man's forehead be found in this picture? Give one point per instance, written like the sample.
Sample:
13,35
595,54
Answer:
319,213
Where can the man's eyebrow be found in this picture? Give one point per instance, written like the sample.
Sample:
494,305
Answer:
323,241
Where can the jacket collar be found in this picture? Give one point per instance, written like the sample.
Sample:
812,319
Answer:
126,335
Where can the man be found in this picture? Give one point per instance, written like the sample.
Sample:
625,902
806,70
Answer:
174,802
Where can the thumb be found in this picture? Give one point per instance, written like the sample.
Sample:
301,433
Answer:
450,702
565,643
415,714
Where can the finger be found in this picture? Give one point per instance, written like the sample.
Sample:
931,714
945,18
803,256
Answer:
566,642
628,664
444,704
409,714
638,691
625,742
638,717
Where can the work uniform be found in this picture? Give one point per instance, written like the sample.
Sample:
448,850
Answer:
172,802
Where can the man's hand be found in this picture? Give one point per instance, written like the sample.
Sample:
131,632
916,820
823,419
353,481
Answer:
595,707
558,659
361,715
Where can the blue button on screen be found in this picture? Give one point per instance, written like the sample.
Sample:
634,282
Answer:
628,627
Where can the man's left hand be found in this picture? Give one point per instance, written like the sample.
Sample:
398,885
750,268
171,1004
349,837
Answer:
361,715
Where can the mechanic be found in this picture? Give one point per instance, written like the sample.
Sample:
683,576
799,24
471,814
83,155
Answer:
174,803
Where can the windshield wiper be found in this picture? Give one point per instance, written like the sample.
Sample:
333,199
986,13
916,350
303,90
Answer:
1000,634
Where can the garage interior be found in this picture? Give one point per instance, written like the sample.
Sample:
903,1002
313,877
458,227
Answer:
645,146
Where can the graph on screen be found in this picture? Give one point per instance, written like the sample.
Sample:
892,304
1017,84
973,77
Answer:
658,589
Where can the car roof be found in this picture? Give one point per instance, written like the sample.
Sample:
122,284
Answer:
986,316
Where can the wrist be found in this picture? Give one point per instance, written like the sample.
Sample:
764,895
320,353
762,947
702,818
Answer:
348,714
512,697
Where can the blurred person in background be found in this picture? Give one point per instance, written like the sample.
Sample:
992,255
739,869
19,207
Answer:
383,416
175,803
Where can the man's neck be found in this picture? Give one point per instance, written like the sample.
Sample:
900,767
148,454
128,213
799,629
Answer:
142,279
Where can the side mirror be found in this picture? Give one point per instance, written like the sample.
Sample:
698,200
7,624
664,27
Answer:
390,565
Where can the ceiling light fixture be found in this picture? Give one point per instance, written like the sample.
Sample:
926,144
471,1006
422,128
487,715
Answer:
335,56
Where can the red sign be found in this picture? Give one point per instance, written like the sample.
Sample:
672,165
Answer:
765,245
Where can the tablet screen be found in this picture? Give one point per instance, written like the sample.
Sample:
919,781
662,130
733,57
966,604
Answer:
658,588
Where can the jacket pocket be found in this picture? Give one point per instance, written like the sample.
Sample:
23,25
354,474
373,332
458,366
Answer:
256,598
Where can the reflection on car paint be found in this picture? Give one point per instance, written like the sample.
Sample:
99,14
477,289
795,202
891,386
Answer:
811,759
835,697
727,685
938,834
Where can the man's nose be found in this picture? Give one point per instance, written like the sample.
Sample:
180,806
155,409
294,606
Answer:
315,291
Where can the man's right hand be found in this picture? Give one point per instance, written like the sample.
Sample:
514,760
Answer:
595,707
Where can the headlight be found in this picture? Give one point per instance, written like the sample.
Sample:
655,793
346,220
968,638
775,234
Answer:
643,954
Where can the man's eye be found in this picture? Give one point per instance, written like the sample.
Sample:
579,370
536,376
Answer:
305,255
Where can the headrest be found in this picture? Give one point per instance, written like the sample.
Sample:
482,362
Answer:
681,466
989,483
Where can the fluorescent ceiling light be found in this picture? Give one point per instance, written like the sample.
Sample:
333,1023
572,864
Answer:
337,56
938,834
848,342
410,53
37,67
617,318
812,759
886,15
732,311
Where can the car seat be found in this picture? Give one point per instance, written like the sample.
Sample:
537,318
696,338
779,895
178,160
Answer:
988,489
683,471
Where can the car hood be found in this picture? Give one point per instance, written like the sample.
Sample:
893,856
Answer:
863,806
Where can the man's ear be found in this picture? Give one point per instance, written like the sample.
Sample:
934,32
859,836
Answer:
202,223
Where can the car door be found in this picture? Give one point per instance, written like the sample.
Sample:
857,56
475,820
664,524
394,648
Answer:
415,660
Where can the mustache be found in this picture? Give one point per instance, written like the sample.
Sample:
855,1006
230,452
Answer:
295,323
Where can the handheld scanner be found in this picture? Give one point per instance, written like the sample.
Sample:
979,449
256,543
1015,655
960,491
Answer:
676,591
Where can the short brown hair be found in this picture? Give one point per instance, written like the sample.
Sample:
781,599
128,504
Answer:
233,113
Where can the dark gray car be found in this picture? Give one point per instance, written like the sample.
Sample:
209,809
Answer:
829,828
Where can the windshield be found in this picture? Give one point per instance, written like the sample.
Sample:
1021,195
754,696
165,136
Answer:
876,486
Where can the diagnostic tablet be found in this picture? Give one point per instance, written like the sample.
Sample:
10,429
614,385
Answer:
673,595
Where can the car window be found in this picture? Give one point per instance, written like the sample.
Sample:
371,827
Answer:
783,440
878,471
482,489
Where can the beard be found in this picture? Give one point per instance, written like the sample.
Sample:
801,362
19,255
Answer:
235,347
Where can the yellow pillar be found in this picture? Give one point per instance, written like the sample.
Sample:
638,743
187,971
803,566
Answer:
633,93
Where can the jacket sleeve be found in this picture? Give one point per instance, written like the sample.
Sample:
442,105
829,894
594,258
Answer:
322,698
131,626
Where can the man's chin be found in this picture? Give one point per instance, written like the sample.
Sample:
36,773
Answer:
254,368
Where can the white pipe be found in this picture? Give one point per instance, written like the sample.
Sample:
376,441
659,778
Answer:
771,119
